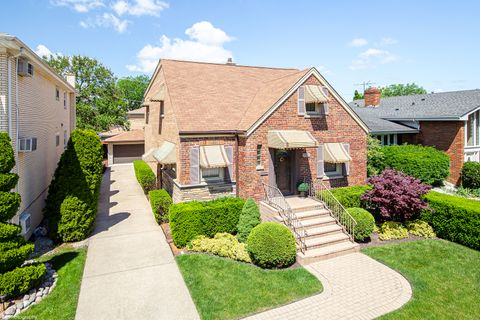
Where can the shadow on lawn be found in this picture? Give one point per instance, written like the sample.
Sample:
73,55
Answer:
62,259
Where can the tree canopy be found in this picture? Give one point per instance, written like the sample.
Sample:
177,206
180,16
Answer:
395,90
102,100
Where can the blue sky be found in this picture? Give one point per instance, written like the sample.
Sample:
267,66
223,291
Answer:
433,43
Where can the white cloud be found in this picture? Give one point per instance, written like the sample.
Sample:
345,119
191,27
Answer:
205,44
324,70
79,5
389,41
139,7
371,58
43,51
358,42
107,20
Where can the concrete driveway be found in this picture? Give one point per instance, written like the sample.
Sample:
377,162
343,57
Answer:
130,272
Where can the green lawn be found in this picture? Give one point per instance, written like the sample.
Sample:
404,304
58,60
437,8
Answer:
445,278
226,289
62,302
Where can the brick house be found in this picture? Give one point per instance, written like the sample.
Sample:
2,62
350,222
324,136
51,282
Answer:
37,109
448,121
223,129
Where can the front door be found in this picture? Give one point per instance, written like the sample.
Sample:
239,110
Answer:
283,170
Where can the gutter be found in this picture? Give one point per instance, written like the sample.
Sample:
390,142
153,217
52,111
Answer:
211,132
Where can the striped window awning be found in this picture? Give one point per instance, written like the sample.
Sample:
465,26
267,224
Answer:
160,95
315,94
213,157
291,139
336,153
166,154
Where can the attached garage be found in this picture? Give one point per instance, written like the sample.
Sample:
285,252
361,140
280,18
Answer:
125,147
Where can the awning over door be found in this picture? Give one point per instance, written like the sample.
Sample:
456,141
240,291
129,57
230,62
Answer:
166,154
213,157
336,153
315,94
291,139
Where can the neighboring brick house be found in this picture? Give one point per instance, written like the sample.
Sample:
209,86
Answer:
37,109
448,121
222,129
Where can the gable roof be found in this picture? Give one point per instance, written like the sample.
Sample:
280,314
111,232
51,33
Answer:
454,105
209,97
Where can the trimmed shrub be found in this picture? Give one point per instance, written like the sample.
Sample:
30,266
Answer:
223,245
454,218
21,280
272,245
349,197
77,220
471,175
249,218
428,164
13,248
365,223
395,196
145,176
420,228
78,174
191,219
160,201
392,230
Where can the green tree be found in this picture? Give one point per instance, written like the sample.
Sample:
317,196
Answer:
14,279
99,103
375,157
131,90
394,90
357,95
249,218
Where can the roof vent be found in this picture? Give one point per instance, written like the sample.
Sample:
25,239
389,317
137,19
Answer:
230,62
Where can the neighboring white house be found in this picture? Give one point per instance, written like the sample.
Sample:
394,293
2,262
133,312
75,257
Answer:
37,109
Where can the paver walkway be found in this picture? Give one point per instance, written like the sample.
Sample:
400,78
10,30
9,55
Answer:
130,272
355,287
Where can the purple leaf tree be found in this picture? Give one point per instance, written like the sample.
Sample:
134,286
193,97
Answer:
395,195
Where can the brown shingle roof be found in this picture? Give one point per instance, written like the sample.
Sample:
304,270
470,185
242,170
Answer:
127,136
207,96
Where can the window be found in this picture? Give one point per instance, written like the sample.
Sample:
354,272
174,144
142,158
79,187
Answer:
57,94
332,169
65,100
314,108
473,130
387,139
57,139
259,156
147,114
209,174
162,115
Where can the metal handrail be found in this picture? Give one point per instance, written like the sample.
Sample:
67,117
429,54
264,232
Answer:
337,211
275,198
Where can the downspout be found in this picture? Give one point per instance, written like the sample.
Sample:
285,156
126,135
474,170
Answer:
237,191
9,95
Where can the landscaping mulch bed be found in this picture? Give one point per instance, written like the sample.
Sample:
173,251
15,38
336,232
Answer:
376,242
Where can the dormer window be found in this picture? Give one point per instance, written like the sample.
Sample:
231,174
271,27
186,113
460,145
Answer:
313,107
312,100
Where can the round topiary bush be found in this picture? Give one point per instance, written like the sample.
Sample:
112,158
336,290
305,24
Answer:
471,175
272,245
365,223
428,164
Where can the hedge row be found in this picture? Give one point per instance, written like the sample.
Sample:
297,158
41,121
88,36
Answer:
145,175
471,175
191,219
77,183
428,164
160,201
349,197
21,280
454,218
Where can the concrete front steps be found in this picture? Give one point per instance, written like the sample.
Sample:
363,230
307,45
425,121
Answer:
325,237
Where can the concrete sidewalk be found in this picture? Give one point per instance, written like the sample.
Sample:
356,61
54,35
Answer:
130,272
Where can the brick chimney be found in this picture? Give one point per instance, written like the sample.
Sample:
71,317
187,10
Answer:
372,97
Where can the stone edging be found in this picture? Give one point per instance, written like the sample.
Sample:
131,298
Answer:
34,296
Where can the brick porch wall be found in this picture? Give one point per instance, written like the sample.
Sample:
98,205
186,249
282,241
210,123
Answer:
337,126
447,136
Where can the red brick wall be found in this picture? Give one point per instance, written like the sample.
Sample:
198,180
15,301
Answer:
337,126
447,136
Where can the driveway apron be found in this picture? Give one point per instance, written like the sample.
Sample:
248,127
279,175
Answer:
130,272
